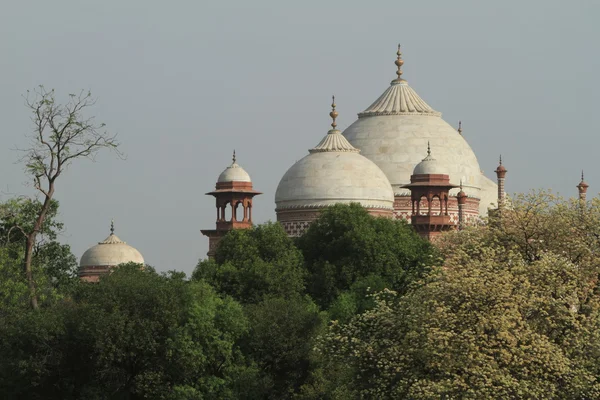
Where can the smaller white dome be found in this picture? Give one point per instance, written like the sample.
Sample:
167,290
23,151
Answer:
429,166
234,173
112,251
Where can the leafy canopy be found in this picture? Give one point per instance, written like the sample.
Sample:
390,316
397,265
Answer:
346,245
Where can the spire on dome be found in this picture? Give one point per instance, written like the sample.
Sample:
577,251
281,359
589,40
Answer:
399,63
460,128
428,157
112,238
333,114
233,158
399,98
334,140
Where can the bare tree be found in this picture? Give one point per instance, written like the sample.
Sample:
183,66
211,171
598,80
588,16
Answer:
61,134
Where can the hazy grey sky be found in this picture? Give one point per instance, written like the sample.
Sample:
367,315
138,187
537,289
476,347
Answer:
183,83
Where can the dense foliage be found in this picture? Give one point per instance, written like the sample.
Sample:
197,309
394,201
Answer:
358,307
513,313
136,334
53,264
347,251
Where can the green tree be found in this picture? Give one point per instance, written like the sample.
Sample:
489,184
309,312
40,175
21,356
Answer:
61,134
473,331
253,263
136,334
53,264
513,313
281,337
346,245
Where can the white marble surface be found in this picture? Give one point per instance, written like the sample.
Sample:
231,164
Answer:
234,173
394,132
112,251
325,178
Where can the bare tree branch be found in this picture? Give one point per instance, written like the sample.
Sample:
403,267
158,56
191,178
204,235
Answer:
61,134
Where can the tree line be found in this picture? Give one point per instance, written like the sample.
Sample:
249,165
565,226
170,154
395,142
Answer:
356,308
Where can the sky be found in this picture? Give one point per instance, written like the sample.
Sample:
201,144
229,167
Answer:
184,83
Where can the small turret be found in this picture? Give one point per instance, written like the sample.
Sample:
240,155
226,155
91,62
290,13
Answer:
501,174
429,187
582,187
233,194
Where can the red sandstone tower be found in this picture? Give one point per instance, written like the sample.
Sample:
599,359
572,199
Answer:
582,187
233,194
429,188
501,174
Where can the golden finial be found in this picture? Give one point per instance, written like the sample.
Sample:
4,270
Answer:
233,158
112,226
428,149
399,63
500,159
460,127
333,114
581,175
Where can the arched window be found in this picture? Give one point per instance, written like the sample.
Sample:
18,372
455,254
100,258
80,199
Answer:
423,205
239,211
227,208
436,206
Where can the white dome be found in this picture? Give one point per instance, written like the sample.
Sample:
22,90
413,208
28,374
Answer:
234,173
429,166
396,128
110,252
334,173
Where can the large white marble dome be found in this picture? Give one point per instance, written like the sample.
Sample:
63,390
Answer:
334,172
394,130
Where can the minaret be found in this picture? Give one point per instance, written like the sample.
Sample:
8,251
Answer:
462,200
501,174
233,194
430,184
582,187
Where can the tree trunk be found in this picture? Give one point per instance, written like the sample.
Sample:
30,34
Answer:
28,272
37,227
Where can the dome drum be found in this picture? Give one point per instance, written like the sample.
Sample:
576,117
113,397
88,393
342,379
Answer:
296,221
